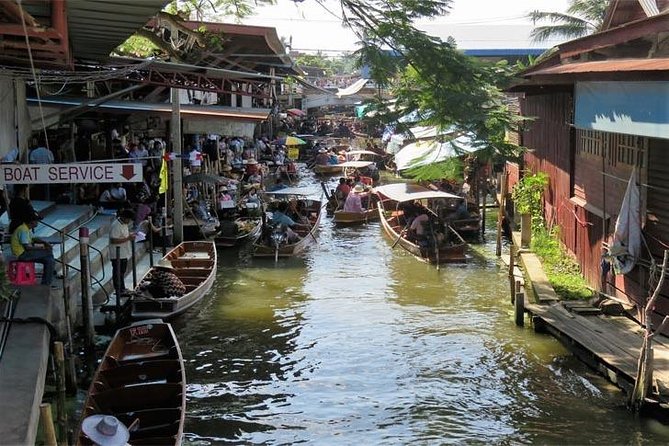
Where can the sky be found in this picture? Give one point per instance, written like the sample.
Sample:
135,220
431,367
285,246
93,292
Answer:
475,24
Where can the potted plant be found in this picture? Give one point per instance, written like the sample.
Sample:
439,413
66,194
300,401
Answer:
526,196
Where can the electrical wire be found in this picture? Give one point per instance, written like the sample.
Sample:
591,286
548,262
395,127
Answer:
34,73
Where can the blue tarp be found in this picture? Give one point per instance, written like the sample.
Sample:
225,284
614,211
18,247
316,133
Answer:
633,108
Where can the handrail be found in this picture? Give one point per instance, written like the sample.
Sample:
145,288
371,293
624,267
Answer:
62,255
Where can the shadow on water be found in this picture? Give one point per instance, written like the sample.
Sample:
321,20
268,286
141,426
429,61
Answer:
360,343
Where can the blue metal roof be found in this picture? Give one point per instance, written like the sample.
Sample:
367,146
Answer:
501,52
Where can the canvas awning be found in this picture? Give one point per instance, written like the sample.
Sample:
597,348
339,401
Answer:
633,108
401,192
355,164
422,153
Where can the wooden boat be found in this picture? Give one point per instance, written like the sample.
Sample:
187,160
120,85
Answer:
345,218
198,229
195,265
242,230
470,227
327,169
272,242
342,217
443,244
141,380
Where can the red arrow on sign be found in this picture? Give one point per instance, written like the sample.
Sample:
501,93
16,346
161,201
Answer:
128,171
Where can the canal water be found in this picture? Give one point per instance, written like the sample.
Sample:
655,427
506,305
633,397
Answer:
359,343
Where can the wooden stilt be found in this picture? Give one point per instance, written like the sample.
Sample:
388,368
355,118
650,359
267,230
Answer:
47,424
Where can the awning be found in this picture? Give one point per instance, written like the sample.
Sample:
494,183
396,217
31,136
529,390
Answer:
422,153
257,114
353,88
355,164
401,192
633,108
419,132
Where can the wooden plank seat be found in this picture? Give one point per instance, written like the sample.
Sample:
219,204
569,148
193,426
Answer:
143,372
152,396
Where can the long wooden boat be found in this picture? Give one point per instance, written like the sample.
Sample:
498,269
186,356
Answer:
342,217
442,245
141,381
327,169
272,242
247,229
195,265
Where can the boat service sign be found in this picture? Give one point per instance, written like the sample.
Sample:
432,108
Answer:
70,173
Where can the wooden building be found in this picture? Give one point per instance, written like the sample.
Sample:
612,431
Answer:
599,109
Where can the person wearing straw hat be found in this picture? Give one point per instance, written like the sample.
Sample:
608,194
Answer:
162,281
105,430
353,201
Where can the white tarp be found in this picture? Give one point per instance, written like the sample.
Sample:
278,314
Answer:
421,153
353,88
626,246
420,132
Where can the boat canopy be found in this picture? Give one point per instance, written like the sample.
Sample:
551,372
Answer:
408,192
354,164
361,152
287,191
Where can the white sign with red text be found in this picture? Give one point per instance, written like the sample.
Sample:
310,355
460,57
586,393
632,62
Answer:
70,173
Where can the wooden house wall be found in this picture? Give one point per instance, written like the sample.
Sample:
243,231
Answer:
550,140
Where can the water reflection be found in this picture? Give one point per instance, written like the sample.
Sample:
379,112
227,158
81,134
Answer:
360,343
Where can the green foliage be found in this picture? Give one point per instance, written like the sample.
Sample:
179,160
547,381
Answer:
527,194
332,66
450,169
138,46
563,272
583,17
209,9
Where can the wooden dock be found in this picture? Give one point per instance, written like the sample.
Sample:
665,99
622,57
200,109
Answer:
609,344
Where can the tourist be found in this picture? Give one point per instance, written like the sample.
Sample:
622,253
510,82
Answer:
114,197
417,229
162,282
353,201
105,430
120,237
20,207
28,248
322,159
342,190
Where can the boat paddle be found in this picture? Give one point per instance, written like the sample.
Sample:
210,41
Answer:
399,236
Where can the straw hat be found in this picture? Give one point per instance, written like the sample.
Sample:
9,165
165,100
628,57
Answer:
358,189
165,264
251,161
105,430
322,151
226,168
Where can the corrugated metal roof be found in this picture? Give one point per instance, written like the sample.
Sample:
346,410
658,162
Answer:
96,27
605,66
259,114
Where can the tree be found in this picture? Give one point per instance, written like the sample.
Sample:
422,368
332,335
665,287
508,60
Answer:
583,17
425,73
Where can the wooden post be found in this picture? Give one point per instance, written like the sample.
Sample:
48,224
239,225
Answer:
500,212
86,300
47,424
512,278
61,411
519,306
177,170
644,374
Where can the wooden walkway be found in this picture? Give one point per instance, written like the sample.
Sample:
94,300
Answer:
610,344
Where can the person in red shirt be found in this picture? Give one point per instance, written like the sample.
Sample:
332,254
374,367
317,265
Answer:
343,189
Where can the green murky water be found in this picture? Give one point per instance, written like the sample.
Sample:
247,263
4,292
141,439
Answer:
358,343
